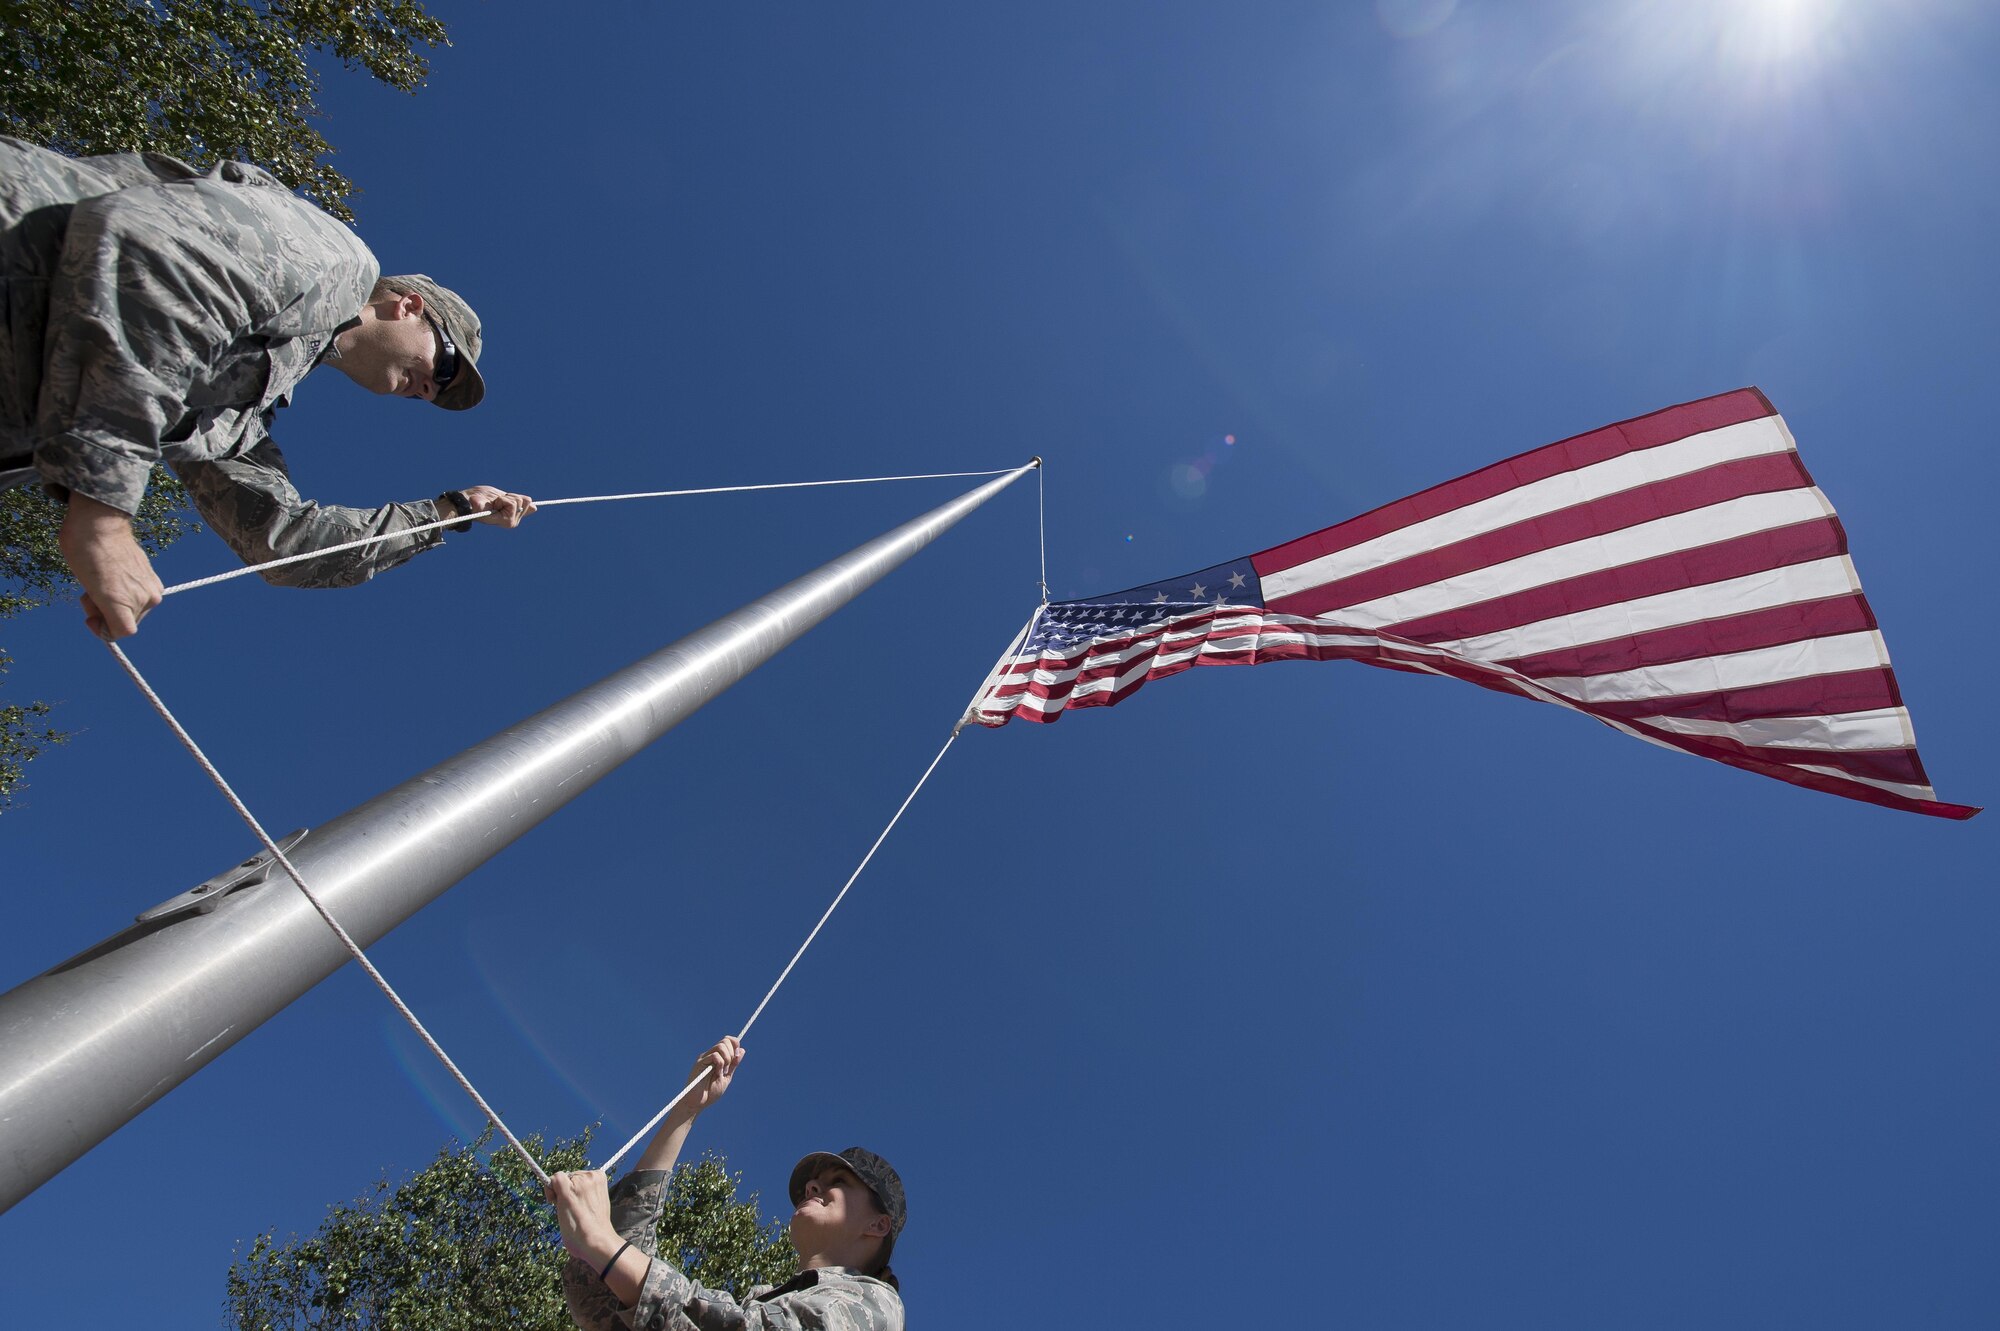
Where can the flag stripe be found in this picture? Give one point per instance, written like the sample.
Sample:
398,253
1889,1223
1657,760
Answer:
1767,587
1726,671
1648,540
1882,779
1732,633
1574,453
1117,676
1898,766
1718,562
1881,728
1850,691
1920,800
1562,528
1893,787
1619,493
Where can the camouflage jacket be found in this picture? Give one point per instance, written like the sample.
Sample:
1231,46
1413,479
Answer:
831,1298
156,313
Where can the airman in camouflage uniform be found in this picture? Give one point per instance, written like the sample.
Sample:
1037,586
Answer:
849,1209
150,312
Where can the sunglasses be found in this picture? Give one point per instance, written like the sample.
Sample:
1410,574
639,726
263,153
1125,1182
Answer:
445,369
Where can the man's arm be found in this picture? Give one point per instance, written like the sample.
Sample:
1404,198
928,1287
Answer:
251,503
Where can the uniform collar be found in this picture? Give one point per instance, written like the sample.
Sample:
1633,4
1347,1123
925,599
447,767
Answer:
327,353
808,1279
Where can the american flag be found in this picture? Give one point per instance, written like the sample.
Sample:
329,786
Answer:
1677,576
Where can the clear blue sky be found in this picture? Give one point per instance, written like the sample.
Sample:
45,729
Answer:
1306,991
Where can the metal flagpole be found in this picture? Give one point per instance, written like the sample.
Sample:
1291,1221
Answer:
88,1045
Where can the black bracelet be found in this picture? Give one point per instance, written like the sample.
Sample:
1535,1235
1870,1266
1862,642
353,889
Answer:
460,504
606,1272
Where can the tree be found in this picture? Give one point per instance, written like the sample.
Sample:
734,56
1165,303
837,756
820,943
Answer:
202,80
23,735
468,1243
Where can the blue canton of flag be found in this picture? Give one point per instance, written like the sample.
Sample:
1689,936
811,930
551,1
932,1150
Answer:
1071,623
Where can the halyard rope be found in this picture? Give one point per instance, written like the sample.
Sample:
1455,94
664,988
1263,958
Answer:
346,939
782,975
354,949
268,565
1041,536
1041,533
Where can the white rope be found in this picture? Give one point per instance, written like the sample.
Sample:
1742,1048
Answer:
769,993
774,485
985,686
354,949
346,939
268,565
407,532
1041,531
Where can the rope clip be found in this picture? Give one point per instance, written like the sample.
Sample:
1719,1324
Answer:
205,896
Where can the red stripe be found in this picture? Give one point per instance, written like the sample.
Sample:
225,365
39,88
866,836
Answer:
1800,543
1709,637
1900,765
1255,655
1051,660
1815,695
1583,450
1773,762
1374,649
1705,746
1680,494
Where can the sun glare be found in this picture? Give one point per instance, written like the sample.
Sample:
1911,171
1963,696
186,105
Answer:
1779,32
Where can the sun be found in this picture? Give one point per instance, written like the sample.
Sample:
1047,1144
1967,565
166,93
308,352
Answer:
1781,34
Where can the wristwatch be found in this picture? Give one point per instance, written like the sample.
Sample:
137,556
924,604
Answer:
459,505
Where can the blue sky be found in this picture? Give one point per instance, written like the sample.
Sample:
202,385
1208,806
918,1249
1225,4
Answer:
1384,1000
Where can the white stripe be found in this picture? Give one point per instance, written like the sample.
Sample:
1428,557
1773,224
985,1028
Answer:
1831,732
1172,648
1845,732
1647,540
1904,789
1155,650
1734,670
1168,633
1812,581
1612,476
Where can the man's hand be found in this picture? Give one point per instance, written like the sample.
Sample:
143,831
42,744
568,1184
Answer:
119,585
502,509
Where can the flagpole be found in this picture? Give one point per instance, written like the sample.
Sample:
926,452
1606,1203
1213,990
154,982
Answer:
89,1044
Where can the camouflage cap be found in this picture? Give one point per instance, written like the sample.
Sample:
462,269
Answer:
467,386
870,1168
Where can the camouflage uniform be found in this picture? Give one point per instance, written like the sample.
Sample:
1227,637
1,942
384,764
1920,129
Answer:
150,312
830,1298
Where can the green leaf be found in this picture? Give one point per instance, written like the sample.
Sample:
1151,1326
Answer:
468,1242
205,81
